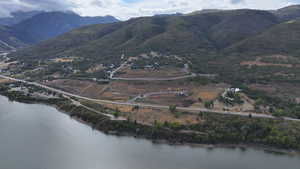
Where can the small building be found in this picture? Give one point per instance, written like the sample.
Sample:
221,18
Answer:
235,90
112,66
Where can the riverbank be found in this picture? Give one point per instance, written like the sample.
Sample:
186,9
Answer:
54,140
267,149
216,130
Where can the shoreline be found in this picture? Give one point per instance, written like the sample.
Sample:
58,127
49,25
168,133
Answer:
265,148
118,133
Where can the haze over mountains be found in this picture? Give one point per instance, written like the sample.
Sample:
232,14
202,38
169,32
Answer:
26,28
17,17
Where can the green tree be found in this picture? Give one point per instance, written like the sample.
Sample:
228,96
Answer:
117,113
209,104
172,108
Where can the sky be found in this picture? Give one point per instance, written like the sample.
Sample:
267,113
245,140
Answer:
125,9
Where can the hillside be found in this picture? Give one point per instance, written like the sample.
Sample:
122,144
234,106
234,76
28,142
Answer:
239,45
203,33
288,13
188,60
280,39
8,40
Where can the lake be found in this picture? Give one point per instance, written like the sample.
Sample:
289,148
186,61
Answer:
34,136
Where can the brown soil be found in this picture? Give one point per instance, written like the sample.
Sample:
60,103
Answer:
83,88
5,81
148,73
148,116
63,60
259,62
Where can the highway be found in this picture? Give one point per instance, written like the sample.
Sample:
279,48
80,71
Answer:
188,109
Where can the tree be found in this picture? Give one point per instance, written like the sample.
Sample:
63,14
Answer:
117,113
209,104
172,108
135,108
250,115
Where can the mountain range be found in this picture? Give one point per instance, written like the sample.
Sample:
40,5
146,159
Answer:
17,17
217,41
27,28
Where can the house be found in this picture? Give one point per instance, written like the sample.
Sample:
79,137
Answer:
235,90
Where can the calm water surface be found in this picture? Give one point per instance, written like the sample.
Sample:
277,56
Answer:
40,137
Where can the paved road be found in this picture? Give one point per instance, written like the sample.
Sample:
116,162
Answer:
7,45
155,79
189,109
112,74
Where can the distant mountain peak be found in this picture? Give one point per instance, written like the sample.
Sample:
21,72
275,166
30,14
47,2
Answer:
288,13
203,11
290,7
47,25
17,16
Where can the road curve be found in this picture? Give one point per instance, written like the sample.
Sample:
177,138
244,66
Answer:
112,74
191,109
154,79
145,95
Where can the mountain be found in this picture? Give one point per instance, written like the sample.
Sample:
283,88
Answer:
17,17
47,25
288,13
8,40
283,38
239,45
202,33
205,11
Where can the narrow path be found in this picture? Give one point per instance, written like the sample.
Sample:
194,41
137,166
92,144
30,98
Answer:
95,111
7,45
83,90
111,76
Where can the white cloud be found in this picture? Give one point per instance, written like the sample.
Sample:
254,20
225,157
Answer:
125,10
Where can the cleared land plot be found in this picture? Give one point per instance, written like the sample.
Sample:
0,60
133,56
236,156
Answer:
164,99
5,81
82,88
124,91
150,73
63,60
148,116
273,60
194,95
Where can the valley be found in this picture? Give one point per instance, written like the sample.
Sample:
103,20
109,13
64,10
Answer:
213,77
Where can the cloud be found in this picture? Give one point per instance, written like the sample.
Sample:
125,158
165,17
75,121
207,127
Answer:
49,4
125,9
237,1
8,6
